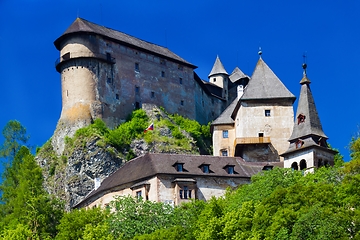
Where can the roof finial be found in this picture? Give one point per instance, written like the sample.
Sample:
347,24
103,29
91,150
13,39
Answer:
304,65
260,52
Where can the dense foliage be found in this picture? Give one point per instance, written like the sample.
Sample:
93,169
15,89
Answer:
278,204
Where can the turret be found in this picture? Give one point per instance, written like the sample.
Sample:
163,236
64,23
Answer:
219,77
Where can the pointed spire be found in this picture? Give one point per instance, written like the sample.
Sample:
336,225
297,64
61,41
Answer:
218,68
307,121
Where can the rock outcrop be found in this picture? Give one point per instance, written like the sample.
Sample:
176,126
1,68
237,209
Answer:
71,167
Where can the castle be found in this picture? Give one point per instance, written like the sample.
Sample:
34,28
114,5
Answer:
107,74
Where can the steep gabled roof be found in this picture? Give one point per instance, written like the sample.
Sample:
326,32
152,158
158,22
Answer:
218,68
83,26
264,84
237,74
309,124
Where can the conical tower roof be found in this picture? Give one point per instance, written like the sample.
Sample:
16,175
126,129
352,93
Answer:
218,68
307,121
264,84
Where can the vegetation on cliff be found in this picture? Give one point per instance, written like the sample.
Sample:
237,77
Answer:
278,204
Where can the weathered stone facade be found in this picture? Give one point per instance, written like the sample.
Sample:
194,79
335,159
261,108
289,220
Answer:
107,74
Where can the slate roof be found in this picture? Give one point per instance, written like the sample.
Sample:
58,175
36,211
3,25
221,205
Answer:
306,107
225,116
218,68
264,84
84,26
237,74
151,164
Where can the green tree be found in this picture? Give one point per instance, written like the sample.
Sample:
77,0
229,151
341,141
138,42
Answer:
15,136
136,217
83,224
25,202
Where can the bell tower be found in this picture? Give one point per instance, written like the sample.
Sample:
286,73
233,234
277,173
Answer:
308,148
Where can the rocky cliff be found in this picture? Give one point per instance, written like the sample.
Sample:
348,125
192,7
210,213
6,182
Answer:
71,173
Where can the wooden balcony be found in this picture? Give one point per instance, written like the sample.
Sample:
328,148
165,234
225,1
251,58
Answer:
251,140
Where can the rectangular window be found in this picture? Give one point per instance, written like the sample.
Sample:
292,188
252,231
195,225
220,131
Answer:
162,74
108,57
179,167
186,190
225,133
109,80
230,169
137,67
137,89
205,169
224,153
138,194
180,80
182,102
267,113
152,94
117,96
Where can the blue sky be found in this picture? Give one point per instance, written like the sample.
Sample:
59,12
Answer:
198,31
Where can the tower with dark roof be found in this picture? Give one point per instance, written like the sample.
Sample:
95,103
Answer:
257,125
308,147
107,74
219,77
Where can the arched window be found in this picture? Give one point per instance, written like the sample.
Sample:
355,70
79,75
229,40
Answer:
294,166
302,164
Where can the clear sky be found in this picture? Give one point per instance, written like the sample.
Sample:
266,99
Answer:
198,31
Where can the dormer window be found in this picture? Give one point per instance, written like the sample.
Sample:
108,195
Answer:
205,168
179,167
301,118
230,169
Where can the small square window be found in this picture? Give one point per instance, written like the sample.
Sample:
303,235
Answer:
224,153
225,133
267,113
182,102
137,67
109,80
152,94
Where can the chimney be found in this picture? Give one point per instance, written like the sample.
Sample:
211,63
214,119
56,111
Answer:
240,91
97,182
